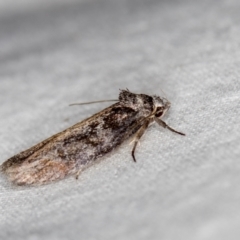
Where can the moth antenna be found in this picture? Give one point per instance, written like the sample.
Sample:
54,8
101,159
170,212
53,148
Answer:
111,100
165,95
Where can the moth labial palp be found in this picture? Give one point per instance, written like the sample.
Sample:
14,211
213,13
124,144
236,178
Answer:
78,147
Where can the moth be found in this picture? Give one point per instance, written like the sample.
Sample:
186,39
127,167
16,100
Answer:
76,148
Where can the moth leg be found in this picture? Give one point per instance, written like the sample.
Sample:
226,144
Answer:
138,135
78,173
163,124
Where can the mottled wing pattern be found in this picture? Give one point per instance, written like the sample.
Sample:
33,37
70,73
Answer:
73,149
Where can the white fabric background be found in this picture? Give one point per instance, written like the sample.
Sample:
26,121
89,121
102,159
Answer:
53,54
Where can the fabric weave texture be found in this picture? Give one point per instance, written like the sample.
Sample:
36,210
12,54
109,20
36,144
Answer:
60,52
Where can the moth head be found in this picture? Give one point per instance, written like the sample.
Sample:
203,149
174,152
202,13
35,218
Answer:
146,104
161,105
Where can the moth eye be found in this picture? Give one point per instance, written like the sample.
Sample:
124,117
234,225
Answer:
159,112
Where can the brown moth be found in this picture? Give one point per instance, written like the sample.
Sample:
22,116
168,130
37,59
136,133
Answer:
76,148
